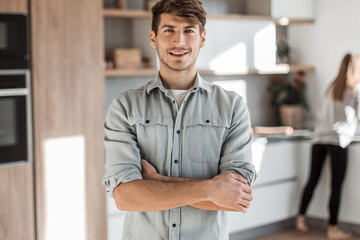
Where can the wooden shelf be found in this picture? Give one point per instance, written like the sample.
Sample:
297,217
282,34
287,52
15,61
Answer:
123,13
285,69
279,69
130,72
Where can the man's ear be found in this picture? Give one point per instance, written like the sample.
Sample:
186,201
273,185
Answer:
152,38
203,37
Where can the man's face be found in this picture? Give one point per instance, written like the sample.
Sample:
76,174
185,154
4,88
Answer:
177,43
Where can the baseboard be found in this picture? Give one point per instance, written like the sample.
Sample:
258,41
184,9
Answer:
313,223
263,230
321,224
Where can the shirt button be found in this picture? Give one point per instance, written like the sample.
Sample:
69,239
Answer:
173,101
178,131
174,225
176,161
147,121
207,121
195,89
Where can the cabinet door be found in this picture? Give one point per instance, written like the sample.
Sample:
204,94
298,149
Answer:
297,9
17,220
276,164
19,6
271,204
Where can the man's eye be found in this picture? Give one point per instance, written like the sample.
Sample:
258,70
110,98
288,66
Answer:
169,30
189,31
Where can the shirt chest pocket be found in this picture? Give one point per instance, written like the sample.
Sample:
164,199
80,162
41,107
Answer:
153,136
204,138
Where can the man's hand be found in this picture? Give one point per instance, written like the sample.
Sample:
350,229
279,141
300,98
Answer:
148,171
231,191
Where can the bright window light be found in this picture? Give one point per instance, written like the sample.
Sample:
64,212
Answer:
64,188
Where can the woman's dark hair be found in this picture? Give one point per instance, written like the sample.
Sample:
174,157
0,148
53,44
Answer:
191,11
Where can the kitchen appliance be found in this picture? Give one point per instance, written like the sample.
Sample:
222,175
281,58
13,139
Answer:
15,117
14,46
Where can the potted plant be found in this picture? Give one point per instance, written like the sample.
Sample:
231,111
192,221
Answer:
289,97
283,52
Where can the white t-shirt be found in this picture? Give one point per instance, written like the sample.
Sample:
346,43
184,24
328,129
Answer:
179,95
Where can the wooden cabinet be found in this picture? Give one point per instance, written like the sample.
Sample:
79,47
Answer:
68,100
16,6
17,216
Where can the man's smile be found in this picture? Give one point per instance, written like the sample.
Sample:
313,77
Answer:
178,53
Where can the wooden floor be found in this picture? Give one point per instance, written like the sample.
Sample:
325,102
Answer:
294,235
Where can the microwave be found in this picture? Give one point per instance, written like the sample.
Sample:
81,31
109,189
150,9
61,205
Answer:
14,46
15,117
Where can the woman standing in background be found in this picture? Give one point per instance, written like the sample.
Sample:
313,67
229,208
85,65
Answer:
333,133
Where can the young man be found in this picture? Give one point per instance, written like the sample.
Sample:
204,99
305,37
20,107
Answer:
178,149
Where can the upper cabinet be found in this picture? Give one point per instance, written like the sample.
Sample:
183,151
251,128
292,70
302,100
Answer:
284,12
15,6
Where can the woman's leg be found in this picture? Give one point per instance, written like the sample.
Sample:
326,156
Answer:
338,170
318,155
317,161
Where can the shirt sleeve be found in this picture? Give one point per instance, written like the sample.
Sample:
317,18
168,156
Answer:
122,154
236,154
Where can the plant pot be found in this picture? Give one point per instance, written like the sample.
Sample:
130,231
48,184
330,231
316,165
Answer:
291,115
122,4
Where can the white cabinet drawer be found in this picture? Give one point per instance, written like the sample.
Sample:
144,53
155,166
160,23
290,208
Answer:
271,204
277,163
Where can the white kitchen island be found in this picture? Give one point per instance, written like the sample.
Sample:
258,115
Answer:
282,173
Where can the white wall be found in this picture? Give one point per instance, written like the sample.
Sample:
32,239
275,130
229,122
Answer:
323,44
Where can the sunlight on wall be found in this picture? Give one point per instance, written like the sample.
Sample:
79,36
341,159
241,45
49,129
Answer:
265,50
64,181
237,47
233,60
238,86
257,149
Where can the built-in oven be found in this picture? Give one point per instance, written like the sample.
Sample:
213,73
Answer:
14,45
15,117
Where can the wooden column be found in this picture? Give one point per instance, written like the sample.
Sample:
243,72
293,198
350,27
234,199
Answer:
68,98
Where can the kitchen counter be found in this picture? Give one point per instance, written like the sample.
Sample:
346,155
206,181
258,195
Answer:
296,135
299,134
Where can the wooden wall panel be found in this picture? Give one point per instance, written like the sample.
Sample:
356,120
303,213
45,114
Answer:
17,220
19,6
68,98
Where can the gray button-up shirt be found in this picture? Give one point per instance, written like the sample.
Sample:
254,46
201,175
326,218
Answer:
209,135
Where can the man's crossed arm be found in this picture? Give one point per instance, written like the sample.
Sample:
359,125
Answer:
155,192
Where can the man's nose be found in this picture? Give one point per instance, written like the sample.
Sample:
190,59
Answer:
179,39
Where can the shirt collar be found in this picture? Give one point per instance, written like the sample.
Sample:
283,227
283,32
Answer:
199,83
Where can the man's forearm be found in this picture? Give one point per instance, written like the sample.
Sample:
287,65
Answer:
205,205
154,195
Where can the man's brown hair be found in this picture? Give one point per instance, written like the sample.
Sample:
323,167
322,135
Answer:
191,11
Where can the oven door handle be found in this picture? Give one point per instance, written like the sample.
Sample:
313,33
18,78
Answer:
14,92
